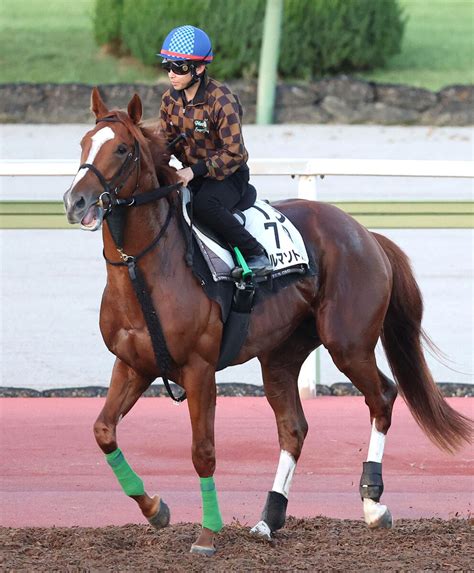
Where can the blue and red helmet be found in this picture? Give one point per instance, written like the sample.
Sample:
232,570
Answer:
187,43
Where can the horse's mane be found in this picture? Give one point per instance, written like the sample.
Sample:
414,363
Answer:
153,139
160,155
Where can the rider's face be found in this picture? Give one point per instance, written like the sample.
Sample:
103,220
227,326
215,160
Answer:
177,81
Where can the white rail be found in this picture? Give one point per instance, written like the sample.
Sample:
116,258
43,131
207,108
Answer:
294,167
307,170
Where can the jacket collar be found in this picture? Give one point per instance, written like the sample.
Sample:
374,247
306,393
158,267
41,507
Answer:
200,96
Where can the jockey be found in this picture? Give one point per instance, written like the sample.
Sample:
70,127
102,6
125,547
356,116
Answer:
208,116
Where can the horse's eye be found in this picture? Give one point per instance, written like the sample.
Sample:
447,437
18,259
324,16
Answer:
122,149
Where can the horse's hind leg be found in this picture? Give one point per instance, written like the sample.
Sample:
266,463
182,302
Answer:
125,388
380,394
371,483
280,369
352,349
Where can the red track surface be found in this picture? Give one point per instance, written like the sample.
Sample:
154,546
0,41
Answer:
52,472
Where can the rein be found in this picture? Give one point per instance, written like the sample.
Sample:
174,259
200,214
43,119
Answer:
127,259
116,224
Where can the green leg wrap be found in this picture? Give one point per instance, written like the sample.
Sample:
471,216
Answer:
128,479
211,515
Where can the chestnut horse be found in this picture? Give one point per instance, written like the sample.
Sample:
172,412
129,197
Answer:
364,290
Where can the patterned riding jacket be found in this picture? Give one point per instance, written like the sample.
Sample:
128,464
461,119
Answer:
212,126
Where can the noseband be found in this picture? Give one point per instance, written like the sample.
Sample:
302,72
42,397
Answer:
109,197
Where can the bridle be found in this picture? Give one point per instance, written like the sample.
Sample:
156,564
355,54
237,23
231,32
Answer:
109,199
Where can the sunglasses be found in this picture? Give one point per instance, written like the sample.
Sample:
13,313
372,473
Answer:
179,68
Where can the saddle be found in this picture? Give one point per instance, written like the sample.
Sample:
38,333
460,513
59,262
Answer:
279,237
236,297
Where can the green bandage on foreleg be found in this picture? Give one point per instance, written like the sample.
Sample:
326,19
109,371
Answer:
211,515
128,479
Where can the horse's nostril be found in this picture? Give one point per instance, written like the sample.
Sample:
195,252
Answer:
80,204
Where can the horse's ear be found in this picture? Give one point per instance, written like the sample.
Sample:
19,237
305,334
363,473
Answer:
135,109
98,107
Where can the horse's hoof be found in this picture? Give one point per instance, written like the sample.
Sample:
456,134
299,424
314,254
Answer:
385,521
162,516
200,550
262,530
377,516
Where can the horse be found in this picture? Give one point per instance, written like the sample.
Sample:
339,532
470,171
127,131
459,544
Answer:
364,290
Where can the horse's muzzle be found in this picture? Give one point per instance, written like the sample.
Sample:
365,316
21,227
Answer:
82,210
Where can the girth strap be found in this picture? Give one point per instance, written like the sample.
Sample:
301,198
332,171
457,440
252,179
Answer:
237,324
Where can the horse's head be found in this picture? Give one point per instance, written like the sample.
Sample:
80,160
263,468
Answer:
110,163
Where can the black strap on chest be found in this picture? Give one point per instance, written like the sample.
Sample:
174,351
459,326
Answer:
158,341
152,320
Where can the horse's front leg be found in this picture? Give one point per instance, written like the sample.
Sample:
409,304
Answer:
280,377
199,382
125,388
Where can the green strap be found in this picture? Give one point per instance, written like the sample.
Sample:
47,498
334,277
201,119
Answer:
246,272
211,515
131,483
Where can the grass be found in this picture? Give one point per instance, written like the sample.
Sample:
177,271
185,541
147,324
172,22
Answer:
438,45
52,41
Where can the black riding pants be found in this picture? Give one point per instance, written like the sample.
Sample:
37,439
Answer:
213,201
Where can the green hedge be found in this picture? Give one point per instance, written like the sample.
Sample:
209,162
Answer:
332,36
108,17
319,36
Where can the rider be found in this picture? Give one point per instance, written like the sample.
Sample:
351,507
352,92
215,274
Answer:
208,117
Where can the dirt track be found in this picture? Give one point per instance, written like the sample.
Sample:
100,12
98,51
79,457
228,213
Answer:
51,474
318,544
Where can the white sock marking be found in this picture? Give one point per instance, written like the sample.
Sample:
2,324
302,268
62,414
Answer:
262,530
373,511
284,475
98,140
376,445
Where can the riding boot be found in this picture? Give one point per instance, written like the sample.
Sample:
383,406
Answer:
259,263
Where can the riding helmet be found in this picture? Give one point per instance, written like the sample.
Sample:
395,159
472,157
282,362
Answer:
187,43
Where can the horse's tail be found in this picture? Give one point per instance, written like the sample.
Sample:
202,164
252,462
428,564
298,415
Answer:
402,336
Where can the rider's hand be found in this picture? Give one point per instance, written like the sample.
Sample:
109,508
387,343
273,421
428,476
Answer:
185,175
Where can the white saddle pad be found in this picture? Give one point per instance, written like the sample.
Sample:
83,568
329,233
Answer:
272,229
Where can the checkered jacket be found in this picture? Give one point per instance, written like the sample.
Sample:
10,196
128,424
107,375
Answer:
213,144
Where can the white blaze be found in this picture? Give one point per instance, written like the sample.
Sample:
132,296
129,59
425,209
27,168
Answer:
98,140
